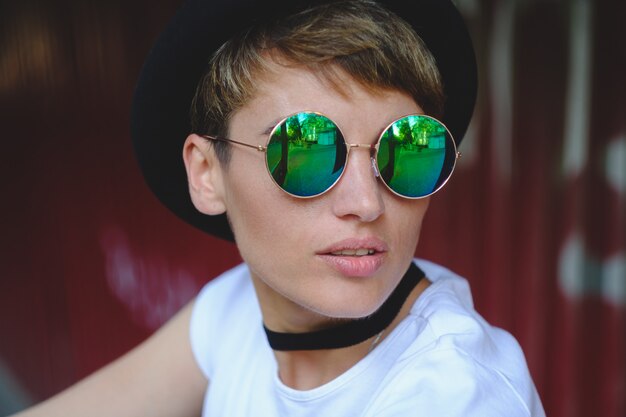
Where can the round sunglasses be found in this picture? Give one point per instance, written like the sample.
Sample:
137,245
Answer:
306,154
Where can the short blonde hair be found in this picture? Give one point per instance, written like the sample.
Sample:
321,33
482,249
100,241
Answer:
371,44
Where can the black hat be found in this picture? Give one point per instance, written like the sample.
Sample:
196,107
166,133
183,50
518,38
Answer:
168,80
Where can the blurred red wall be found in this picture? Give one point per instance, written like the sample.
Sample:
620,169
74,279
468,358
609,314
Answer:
535,216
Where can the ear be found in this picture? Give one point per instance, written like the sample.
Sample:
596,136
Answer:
204,175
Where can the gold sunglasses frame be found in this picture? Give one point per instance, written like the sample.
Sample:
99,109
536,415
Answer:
372,147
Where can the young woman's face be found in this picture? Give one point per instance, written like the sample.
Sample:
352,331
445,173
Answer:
302,253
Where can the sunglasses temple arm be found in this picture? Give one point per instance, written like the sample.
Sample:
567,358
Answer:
259,148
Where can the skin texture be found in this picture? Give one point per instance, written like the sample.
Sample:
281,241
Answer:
286,240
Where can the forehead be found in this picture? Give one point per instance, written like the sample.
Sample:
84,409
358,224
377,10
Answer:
283,89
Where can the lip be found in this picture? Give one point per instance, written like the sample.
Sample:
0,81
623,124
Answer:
355,266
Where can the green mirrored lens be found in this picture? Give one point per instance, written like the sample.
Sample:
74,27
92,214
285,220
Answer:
416,156
306,154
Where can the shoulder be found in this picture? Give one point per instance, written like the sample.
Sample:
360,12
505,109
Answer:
234,284
223,308
458,364
232,290
452,382
446,310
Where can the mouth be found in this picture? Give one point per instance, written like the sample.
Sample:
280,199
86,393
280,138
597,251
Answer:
353,252
355,257
356,247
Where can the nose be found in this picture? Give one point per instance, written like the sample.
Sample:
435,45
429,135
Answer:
358,193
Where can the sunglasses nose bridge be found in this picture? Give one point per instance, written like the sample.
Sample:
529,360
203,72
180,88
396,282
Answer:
370,146
373,148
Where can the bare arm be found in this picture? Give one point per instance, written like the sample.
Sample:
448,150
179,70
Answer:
158,378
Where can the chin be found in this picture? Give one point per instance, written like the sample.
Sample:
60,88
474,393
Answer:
347,308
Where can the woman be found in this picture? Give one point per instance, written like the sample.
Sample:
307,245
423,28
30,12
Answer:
316,130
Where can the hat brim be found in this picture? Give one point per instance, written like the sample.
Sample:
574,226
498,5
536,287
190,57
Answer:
160,119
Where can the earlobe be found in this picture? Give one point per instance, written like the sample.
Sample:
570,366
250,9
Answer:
204,176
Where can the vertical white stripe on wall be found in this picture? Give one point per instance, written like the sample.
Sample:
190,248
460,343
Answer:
572,271
501,78
614,279
578,94
615,165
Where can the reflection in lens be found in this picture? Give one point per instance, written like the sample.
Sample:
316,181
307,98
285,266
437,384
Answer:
416,156
306,154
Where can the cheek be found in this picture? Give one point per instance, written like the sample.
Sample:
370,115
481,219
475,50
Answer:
419,214
261,215
247,205
269,238
407,218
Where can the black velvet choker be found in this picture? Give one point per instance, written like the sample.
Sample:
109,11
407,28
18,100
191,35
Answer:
352,332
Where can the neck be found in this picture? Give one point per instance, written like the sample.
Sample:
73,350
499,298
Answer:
308,369
349,332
